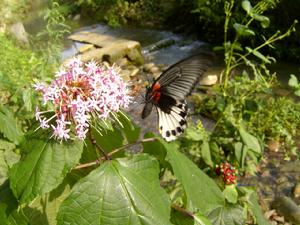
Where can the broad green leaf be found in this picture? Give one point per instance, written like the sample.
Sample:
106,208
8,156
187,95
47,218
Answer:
118,193
109,139
130,130
243,30
44,167
178,218
201,220
6,145
247,6
230,193
7,159
27,95
205,153
9,126
202,192
43,210
251,141
17,218
293,81
253,205
225,215
155,148
258,55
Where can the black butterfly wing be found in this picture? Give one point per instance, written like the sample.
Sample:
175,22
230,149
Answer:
179,80
169,91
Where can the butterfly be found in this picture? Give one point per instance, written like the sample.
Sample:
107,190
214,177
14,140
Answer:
169,91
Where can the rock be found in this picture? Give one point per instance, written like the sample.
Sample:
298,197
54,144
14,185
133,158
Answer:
209,80
288,208
123,62
273,145
134,72
110,48
154,70
296,191
147,67
86,47
77,17
18,31
159,45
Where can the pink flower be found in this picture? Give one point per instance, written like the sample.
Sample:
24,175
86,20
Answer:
79,92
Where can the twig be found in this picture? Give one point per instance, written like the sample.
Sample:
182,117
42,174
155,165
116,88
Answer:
131,144
183,211
94,142
107,156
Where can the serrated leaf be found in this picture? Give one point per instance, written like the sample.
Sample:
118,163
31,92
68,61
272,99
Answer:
258,55
43,210
202,192
117,193
9,126
247,6
230,193
205,153
229,214
293,81
7,159
44,167
201,220
243,30
250,141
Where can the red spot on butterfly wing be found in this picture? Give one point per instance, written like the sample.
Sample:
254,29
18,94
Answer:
155,95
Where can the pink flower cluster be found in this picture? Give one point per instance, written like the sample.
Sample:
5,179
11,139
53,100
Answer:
79,92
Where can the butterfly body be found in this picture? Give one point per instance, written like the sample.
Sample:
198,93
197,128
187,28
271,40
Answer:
169,91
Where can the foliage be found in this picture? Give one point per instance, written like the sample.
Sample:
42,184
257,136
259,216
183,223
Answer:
294,83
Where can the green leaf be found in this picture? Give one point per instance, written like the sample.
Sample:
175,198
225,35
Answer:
202,192
250,141
297,93
43,210
293,81
44,167
178,218
118,192
231,194
9,125
7,159
240,152
192,133
229,214
243,30
130,130
17,218
254,206
201,220
109,139
205,153
258,55
247,6
264,21
155,148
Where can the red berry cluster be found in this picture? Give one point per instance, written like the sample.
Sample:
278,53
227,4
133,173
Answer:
228,173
